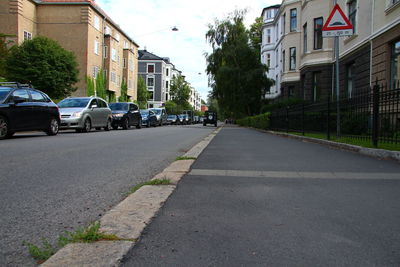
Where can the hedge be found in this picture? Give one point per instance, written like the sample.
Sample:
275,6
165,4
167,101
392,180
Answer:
260,121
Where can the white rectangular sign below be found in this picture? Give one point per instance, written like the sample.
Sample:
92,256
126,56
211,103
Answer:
337,33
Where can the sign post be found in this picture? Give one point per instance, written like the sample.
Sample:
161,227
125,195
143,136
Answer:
337,25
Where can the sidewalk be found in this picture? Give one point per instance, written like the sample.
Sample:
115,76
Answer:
254,199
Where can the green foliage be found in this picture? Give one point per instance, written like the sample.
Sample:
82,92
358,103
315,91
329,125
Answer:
260,121
355,124
101,85
4,52
124,92
40,254
90,85
88,235
281,104
142,94
198,113
180,91
45,64
151,182
237,77
255,34
185,158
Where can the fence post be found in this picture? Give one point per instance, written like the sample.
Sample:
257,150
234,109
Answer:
328,119
375,115
287,119
302,119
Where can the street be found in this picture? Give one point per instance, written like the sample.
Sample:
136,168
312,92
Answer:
254,199
52,184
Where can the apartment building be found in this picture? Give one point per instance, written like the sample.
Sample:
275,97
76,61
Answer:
371,53
195,99
83,28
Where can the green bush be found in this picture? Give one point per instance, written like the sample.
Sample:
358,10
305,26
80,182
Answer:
260,121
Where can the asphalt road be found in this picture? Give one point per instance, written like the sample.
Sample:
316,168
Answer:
254,199
52,184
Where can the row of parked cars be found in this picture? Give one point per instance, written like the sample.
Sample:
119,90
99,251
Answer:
23,108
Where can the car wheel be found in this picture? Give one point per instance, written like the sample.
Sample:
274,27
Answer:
125,124
4,132
98,128
139,125
115,127
87,125
160,124
204,124
108,126
53,128
148,124
215,124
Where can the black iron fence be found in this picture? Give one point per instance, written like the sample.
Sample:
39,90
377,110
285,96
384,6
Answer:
371,114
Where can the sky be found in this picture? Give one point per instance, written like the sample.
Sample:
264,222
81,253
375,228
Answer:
149,24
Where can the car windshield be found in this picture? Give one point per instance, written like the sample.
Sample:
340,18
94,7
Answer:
4,92
171,116
157,111
118,106
181,116
74,103
144,112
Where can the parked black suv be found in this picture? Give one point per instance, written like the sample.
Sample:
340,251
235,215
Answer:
210,117
23,108
125,115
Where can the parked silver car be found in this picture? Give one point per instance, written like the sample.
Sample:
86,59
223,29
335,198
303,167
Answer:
85,113
161,115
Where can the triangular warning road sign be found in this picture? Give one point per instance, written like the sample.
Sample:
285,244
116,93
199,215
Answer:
337,20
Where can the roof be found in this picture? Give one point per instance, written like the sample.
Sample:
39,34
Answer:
145,55
269,7
93,4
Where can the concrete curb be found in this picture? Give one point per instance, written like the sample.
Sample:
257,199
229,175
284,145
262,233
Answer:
371,152
128,219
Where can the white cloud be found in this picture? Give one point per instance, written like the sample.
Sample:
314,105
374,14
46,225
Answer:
149,23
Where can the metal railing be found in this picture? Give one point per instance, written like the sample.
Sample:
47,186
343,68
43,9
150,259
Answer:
371,114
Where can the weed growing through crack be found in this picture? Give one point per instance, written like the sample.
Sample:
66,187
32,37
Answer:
40,254
151,182
185,158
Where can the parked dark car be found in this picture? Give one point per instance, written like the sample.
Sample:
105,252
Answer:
148,118
23,108
210,117
125,115
172,119
183,120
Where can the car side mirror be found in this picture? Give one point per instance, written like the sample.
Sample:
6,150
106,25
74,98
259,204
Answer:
18,99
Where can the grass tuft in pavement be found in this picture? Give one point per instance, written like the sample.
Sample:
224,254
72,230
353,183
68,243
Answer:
40,254
185,158
151,182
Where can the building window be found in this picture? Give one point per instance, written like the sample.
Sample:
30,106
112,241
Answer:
125,63
283,60
95,71
167,72
318,23
131,65
96,47
292,65
395,65
276,31
350,79
293,20
27,36
268,36
126,44
150,82
96,22
284,23
150,68
105,51
305,48
114,54
316,91
276,58
107,30
291,91
268,60
352,4
113,77
129,83
167,85
117,37
151,95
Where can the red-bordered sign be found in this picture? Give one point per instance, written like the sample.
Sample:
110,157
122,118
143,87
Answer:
337,24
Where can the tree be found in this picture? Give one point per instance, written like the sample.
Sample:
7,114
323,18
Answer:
236,75
142,94
255,34
44,63
4,52
180,91
124,92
